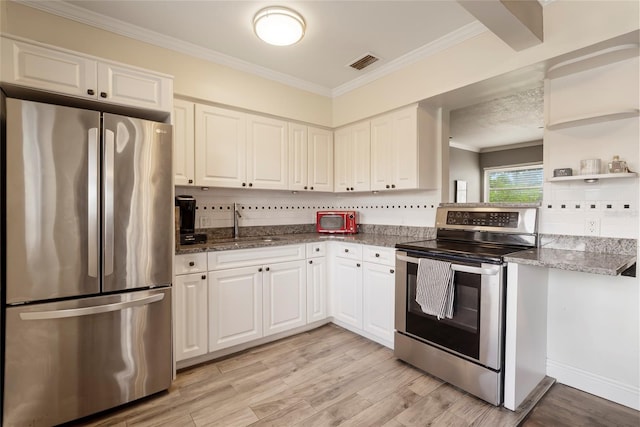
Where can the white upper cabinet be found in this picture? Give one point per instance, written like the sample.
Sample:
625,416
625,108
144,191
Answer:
353,157
239,150
310,158
125,85
404,150
267,148
183,146
66,72
220,147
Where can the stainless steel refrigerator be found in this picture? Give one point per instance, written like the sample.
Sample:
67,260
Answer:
87,260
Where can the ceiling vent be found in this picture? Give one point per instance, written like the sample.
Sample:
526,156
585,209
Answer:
363,61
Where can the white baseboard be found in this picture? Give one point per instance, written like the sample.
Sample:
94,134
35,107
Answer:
609,389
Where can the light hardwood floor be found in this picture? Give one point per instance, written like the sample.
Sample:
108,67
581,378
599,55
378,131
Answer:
325,377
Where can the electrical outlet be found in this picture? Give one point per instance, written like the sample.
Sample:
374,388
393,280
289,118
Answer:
592,227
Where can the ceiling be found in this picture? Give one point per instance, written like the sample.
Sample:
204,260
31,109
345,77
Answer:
338,32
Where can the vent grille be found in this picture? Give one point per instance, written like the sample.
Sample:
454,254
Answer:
363,62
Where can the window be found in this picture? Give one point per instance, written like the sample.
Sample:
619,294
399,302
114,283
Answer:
520,184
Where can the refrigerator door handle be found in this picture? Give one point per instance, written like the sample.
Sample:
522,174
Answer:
109,153
92,204
88,311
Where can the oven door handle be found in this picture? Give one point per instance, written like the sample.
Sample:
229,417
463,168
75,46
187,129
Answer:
489,271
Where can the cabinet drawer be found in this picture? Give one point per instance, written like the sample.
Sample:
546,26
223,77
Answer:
220,260
349,250
379,255
191,263
316,249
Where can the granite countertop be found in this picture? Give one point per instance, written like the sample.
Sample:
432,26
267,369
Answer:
225,244
586,262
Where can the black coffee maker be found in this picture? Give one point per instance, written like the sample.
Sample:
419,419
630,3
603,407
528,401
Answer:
187,212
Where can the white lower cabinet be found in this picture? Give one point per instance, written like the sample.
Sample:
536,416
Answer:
363,290
191,318
284,297
317,283
378,300
347,297
235,307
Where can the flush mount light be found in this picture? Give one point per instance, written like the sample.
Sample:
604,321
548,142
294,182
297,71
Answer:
279,26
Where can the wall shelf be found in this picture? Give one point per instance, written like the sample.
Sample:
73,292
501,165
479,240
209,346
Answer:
593,178
594,118
593,60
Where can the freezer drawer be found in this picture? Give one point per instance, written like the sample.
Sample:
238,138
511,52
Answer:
69,359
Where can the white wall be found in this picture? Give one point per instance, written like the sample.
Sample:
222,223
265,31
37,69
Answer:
593,337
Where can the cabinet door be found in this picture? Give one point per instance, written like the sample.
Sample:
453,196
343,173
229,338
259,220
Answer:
316,289
347,287
298,153
342,160
191,318
378,301
183,142
404,152
320,159
235,307
381,151
284,296
138,88
220,146
48,69
267,148
361,156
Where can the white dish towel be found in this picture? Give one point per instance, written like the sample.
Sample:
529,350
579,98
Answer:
434,288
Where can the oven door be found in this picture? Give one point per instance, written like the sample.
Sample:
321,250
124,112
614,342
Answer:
476,330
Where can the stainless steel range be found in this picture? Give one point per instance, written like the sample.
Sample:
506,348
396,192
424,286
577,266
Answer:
467,349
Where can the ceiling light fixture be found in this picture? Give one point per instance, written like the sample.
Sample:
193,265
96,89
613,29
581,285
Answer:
279,26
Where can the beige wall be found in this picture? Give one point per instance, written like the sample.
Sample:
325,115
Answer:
194,78
568,25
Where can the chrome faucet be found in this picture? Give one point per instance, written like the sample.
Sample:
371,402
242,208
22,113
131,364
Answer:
236,216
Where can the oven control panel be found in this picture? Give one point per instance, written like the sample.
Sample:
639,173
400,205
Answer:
500,219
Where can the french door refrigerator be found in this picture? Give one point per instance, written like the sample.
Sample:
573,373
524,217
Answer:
87,261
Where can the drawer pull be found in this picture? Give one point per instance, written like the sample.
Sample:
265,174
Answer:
91,92
346,250
358,265
191,263
204,276
260,269
392,271
103,94
310,262
377,255
317,249
267,269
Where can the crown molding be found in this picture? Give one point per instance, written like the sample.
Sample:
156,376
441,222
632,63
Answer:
463,147
470,30
78,14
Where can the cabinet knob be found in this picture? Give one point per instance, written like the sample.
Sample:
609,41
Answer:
392,271
393,186
190,181
191,263
103,94
317,249
387,186
310,262
251,184
91,92
305,187
267,268
351,188
312,188
377,255
358,265
346,250
347,188
244,184
260,269
204,276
